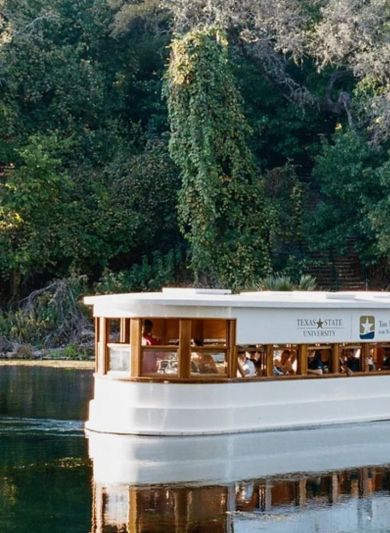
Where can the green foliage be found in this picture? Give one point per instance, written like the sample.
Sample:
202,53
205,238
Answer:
285,196
346,173
379,212
282,282
33,203
221,200
149,275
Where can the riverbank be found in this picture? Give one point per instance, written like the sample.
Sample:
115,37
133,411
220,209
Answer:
53,363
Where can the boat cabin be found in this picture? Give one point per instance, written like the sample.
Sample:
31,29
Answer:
212,335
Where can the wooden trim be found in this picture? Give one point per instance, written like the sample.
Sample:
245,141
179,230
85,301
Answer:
97,323
135,343
335,362
165,378
232,353
270,360
102,364
184,352
302,359
124,330
133,513
364,353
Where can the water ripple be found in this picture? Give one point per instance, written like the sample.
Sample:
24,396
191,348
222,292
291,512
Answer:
46,426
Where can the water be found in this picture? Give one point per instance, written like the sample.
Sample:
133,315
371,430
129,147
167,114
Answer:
45,473
331,480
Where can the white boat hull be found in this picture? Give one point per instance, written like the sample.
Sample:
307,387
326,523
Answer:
145,408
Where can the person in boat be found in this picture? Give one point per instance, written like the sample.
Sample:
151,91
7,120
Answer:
371,360
246,367
284,364
315,364
150,357
201,362
353,361
148,338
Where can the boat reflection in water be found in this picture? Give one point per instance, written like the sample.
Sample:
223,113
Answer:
330,479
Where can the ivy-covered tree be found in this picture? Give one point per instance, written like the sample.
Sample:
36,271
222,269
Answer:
221,199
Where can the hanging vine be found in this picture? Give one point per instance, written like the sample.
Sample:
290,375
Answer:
221,206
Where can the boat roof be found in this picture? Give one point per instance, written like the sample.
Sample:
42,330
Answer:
217,298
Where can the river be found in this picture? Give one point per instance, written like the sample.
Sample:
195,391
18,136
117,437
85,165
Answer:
55,479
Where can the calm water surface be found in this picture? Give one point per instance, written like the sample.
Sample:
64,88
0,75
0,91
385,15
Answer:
49,484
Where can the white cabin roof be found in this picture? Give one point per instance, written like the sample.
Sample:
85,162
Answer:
264,317
157,303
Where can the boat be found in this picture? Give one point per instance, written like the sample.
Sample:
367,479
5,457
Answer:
187,361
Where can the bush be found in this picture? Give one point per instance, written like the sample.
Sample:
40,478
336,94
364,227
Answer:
282,282
149,275
50,316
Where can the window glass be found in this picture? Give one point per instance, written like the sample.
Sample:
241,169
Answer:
319,359
208,347
159,361
119,356
160,332
351,358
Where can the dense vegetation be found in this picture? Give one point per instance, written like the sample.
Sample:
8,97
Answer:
145,143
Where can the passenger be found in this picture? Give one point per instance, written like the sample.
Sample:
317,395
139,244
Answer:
150,357
353,362
386,362
246,366
285,364
257,359
315,364
202,363
147,334
371,361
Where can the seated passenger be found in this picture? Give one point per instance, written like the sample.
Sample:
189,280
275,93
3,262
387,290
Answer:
202,363
246,366
285,363
386,362
147,334
353,362
370,361
150,357
315,364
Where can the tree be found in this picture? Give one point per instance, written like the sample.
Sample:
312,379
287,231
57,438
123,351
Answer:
34,197
221,199
349,185
351,36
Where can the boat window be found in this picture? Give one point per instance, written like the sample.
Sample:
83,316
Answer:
118,351
159,360
319,359
119,356
113,329
351,358
160,342
211,332
160,332
382,356
285,360
208,347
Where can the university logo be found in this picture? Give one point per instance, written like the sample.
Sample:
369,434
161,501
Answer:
367,327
